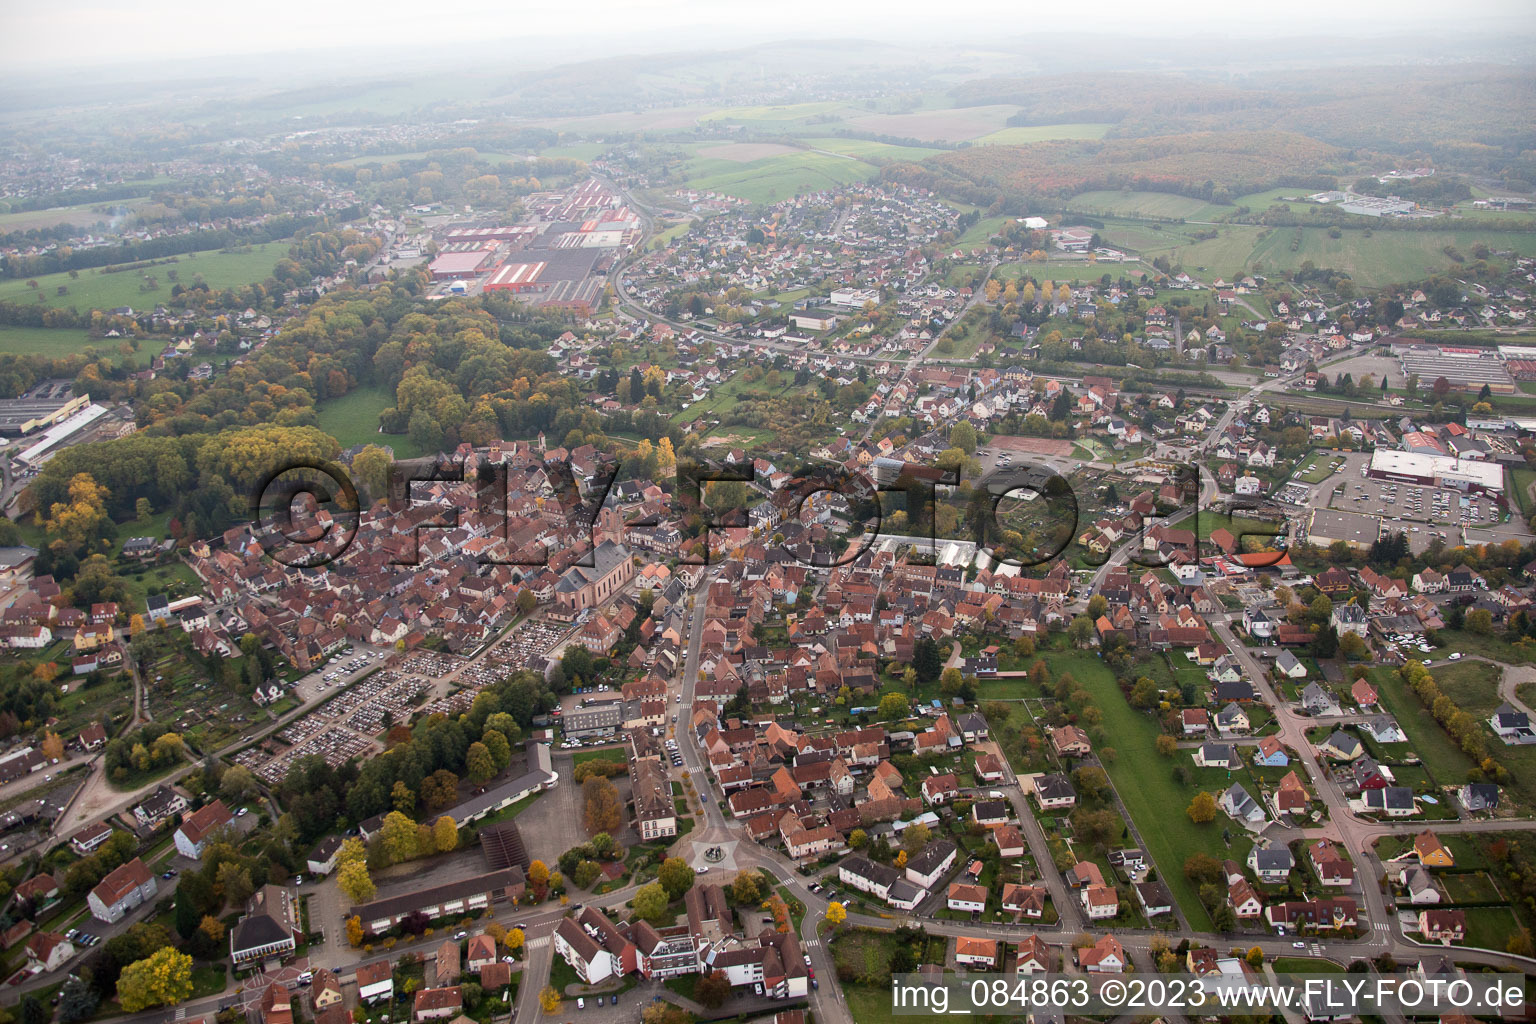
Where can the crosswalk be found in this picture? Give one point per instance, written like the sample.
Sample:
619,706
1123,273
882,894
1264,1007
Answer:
1382,926
537,943
810,943
1315,949
181,1013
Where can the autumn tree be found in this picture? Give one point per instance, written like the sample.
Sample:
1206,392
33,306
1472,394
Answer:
1202,809
651,903
355,883
712,990
538,878
604,812
675,876
1166,745
514,939
747,888
479,763
549,999
355,931
397,838
53,746
78,521
164,978
445,834
836,913
440,789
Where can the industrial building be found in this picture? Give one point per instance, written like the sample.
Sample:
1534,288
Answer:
1376,206
1467,369
520,234
515,277
458,266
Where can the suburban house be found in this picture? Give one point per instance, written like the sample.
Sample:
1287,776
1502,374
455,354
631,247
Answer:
375,981
1392,801
967,898
1034,956
1271,864
975,952
1332,867
1431,852
1444,926
48,951
1053,792
124,888
1106,956
197,826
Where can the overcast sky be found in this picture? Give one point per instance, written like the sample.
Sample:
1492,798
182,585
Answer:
85,32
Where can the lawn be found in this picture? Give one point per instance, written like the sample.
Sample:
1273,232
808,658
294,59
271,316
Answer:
1318,467
1440,754
1490,927
1144,780
1239,526
50,341
1473,685
1305,965
599,754
94,289
1470,887
353,419
1521,488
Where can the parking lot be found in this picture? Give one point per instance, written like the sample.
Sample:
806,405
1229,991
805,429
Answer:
340,670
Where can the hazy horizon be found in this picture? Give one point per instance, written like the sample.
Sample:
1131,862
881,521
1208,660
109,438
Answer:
87,34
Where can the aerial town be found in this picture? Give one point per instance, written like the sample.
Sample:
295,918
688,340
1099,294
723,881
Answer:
672,556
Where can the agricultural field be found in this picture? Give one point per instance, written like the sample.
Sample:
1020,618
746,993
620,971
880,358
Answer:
781,114
866,149
955,124
1380,258
1020,135
1385,256
354,419
49,341
1126,203
770,177
94,289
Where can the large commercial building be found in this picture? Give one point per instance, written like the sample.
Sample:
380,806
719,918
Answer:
52,439
43,406
1429,469
1327,526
